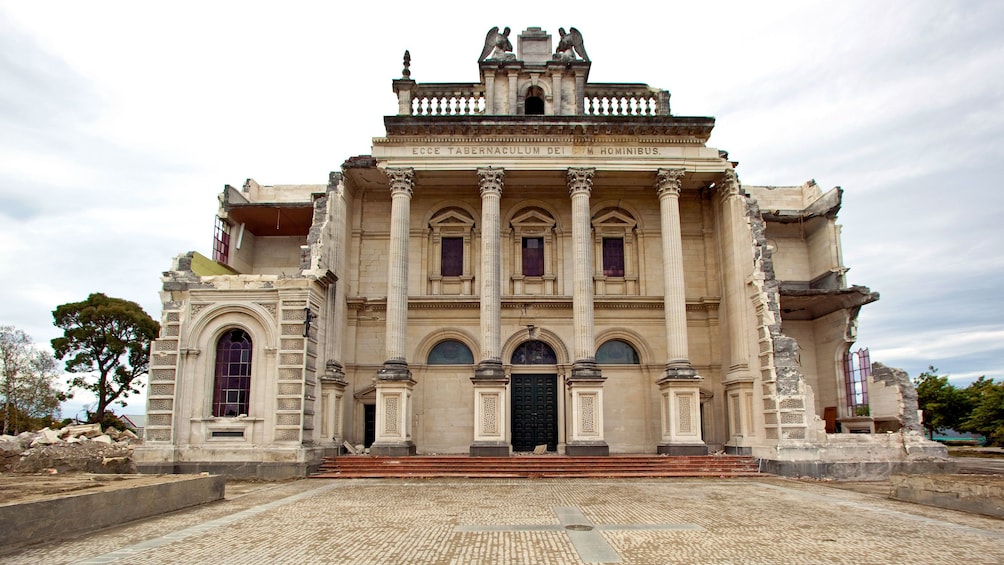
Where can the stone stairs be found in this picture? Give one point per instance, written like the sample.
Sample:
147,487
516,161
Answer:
536,466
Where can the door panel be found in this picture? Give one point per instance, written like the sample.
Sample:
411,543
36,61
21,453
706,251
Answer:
534,412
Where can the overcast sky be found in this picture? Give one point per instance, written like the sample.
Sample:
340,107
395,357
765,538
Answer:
120,122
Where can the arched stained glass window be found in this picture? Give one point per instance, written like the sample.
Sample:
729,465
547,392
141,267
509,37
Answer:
451,352
534,352
232,382
617,352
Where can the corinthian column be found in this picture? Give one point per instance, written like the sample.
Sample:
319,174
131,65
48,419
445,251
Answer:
401,183
580,185
675,307
679,386
735,257
586,381
490,399
490,182
394,384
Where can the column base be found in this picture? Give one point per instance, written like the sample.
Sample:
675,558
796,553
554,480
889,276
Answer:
682,449
586,371
403,449
490,449
587,449
394,370
679,372
490,370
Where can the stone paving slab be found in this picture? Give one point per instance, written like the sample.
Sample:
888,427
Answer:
448,521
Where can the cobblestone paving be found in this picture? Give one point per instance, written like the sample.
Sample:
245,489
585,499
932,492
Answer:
532,521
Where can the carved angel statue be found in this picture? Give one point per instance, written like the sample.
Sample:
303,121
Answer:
570,45
497,46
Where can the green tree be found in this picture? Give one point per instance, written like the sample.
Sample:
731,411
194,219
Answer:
987,415
28,392
107,341
944,405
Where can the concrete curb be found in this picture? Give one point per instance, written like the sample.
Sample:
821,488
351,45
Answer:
978,494
32,522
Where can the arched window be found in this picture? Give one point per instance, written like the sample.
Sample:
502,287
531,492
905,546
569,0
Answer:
451,352
534,352
617,352
232,382
534,103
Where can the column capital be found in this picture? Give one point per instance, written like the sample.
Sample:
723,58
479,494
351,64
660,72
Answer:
580,180
402,179
490,180
730,183
669,181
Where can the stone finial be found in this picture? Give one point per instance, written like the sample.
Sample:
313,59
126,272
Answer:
580,180
490,179
669,180
406,72
570,45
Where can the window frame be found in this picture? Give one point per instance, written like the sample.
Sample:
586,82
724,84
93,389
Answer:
450,222
227,384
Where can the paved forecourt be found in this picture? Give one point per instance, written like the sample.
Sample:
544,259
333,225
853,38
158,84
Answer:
763,520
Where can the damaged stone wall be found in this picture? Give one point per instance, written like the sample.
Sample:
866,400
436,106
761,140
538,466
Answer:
899,382
786,412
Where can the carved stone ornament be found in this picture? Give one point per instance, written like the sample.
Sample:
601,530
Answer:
669,181
402,179
490,179
269,307
730,183
497,46
569,45
580,180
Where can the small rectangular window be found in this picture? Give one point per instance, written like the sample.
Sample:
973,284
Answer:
452,257
613,256
533,256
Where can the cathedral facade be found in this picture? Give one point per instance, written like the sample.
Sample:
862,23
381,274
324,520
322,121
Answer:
527,262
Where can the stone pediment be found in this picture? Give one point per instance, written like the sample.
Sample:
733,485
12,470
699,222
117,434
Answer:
452,217
533,217
613,217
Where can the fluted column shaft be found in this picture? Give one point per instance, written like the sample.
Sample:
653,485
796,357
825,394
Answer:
580,185
733,220
668,185
401,184
490,181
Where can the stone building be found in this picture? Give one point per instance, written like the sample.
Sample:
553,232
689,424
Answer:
530,259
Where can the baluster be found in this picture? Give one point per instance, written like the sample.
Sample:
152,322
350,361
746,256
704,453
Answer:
415,104
463,106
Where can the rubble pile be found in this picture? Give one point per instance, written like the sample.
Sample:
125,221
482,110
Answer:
82,448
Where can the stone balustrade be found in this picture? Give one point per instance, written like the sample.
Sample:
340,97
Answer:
625,100
447,99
